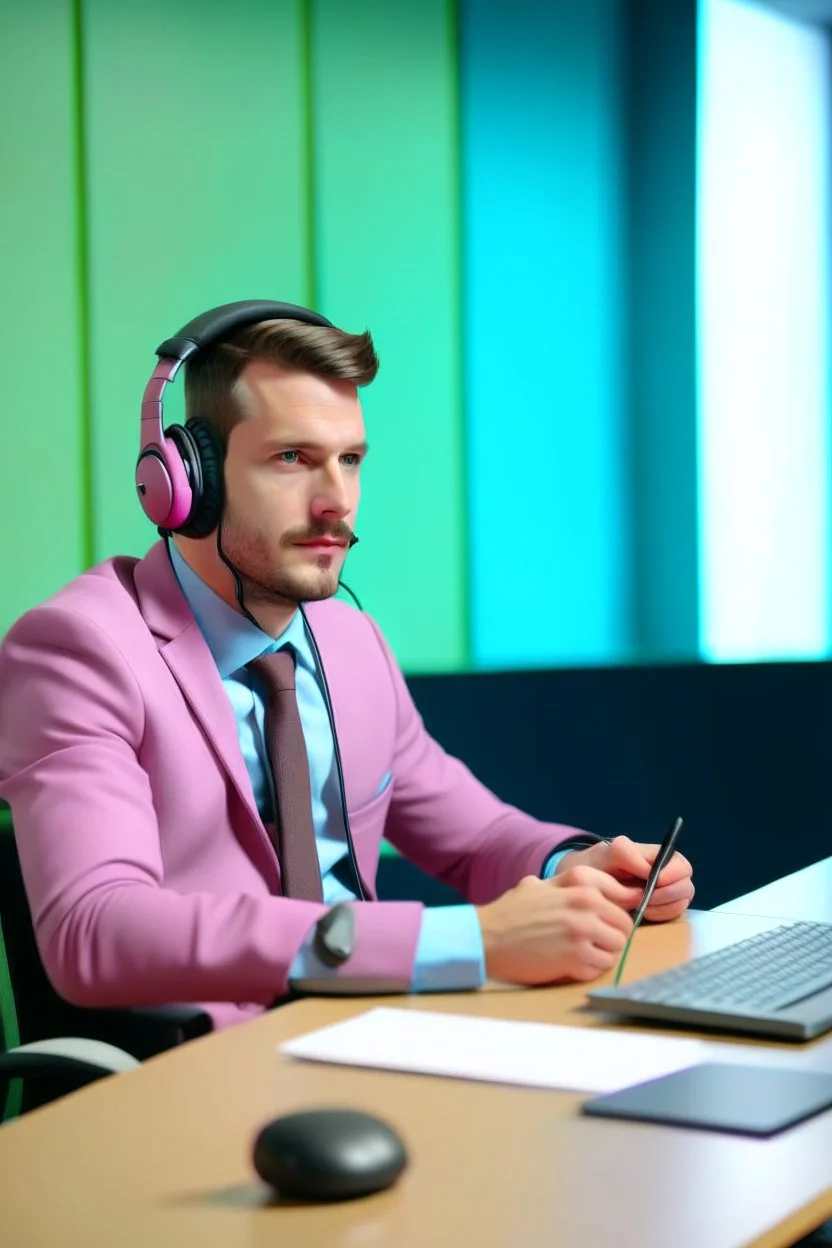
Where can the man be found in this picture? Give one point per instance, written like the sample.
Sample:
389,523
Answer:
174,848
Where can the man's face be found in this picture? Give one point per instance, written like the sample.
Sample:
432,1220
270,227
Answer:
292,484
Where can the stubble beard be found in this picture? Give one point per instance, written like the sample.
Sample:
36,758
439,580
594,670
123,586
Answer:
265,583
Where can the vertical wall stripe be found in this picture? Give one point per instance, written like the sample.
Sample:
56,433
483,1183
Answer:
458,225
764,329
82,264
41,498
386,186
308,148
196,197
543,297
661,257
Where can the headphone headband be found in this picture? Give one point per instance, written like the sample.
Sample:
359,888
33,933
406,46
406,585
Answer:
220,322
170,469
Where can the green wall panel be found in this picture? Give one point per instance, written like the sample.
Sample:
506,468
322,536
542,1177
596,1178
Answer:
386,213
42,498
159,159
195,131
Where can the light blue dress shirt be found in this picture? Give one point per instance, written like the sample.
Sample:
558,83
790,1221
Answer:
449,953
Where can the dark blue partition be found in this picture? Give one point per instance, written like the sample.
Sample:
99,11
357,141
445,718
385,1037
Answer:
741,751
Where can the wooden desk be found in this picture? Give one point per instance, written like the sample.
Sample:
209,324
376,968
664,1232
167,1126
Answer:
805,894
159,1157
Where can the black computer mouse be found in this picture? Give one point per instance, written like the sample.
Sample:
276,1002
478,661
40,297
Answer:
328,1154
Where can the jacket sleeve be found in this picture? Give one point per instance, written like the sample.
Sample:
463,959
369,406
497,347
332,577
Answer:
72,719
449,824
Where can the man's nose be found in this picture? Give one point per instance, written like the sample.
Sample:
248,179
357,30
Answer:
332,498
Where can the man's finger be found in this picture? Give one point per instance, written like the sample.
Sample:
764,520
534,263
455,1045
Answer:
669,909
584,876
661,914
610,915
677,869
626,895
627,858
666,895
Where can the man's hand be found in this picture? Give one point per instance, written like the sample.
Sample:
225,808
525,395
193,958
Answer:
630,863
573,926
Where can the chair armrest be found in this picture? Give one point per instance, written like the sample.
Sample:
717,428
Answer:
189,1019
69,1054
144,1031
79,1061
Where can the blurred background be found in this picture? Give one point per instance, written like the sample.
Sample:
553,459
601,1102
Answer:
590,239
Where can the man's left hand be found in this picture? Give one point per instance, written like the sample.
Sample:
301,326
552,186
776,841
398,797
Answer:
630,862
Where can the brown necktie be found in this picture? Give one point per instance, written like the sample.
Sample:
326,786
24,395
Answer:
296,847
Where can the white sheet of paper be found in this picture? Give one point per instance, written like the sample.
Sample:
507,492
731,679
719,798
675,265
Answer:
542,1055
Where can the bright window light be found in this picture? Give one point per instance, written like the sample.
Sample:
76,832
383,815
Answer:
763,258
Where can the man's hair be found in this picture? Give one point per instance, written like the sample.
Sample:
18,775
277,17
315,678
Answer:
211,375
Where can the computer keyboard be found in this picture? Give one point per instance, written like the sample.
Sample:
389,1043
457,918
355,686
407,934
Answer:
777,983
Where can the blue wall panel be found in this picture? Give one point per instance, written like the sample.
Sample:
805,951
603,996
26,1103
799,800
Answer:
542,152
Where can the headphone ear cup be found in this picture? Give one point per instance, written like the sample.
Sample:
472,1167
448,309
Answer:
209,454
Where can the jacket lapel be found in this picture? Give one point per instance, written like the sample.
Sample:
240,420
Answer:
192,665
347,688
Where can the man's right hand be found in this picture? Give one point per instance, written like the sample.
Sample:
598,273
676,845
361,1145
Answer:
573,926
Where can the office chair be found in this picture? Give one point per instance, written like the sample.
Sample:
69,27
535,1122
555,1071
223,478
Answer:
44,1018
52,1068
55,1064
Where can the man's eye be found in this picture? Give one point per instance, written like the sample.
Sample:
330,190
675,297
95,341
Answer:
351,460
288,457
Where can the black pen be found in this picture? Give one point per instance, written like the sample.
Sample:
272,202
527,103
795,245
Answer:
661,860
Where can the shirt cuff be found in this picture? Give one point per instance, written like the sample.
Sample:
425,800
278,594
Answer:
307,964
449,953
550,866
584,840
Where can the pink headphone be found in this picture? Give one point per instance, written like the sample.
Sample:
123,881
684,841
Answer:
179,471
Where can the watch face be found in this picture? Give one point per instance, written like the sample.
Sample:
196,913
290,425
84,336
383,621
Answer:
335,935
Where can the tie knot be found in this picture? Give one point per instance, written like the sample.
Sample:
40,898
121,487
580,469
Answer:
276,670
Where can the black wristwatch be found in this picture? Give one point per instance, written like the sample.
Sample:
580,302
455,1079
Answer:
335,935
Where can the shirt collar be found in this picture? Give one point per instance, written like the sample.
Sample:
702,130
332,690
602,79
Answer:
232,638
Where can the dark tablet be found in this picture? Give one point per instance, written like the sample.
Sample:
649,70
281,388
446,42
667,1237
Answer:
746,1100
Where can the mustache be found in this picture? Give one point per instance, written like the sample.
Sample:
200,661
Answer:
340,531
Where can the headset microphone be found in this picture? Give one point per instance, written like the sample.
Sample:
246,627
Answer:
342,585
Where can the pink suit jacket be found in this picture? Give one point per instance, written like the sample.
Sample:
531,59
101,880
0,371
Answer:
149,873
